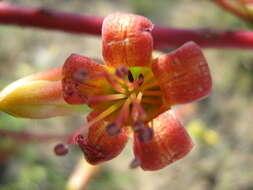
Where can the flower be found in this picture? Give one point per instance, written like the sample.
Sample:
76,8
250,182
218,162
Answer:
37,96
132,93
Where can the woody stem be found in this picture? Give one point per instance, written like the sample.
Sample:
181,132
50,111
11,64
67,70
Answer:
164,37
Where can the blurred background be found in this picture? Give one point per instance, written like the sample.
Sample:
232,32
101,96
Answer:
220,125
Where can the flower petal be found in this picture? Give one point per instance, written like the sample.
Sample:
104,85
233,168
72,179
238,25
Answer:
169,143
77,82
127,40
183,75
98,146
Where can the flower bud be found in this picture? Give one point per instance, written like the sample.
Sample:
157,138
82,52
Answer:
37,96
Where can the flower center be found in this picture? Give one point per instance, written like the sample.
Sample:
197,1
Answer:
133,100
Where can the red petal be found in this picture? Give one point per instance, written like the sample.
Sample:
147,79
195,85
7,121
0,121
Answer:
170,143
98,146
76,83
183,74
127,40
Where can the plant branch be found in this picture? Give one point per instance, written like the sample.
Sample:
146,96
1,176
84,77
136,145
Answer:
164,37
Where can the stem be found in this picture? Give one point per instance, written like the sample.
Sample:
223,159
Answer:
164,37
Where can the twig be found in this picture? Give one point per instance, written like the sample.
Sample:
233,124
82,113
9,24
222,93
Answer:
164,37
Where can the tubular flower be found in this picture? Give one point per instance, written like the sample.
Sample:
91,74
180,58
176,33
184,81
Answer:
132,93
37,96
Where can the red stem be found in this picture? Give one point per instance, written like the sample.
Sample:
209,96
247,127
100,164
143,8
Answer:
164,37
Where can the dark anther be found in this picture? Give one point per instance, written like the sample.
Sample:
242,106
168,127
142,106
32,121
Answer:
80,75
140,79
135,163
61,149
113,129
121,71
145,135
130,76
138,125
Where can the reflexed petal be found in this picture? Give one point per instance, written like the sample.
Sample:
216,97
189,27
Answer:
183,74
77,82
127,40
98,146
170,143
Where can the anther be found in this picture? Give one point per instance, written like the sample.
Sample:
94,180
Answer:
113,129
145,135
140,79
138,125
130,76
61,149
121,72
135,163
80,75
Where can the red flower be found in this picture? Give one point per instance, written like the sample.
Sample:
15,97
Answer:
133,92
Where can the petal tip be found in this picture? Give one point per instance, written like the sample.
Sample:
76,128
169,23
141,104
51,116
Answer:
171,142
183,74
127,40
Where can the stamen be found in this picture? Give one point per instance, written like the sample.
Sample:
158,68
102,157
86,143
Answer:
61,149
135,163
137,110
110,110
130,76
80,75
121,72
124,112
113,129
138,125
145,135
101,98
111,81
